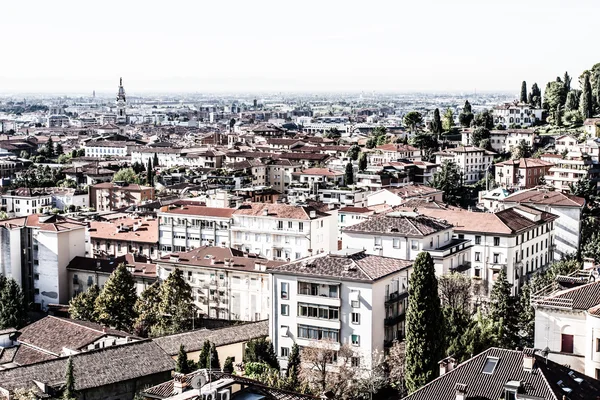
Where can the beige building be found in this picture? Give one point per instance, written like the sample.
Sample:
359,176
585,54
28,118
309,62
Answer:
110,195
137,235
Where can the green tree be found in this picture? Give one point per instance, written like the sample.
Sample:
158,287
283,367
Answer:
554,94
521,150
261,350
481,335
126,175
457,323
83,305
449,179
503,307
526,316
478,135
362,162
147,309
413,119
371,142
567,82
69,392
558,114
349,174
59,149
535,97
228,366
13,306
149,171
183,365
353,152
381,140
203,357
49,148
155,161
572,101
176,307
448,122
213,358
116,301
436,124
424,338
293,367
586,104
484,119
523,98
427,143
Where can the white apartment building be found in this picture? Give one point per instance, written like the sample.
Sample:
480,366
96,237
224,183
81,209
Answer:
397,196
282,231
516,113
25,201
519,240
35,251
568,208
497,139
102,149
184,226
343,298
570,170
404,234
226,283
567,323
565,143
516,136
472,161
393,152
176,157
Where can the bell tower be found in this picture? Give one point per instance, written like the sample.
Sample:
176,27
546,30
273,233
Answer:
121,104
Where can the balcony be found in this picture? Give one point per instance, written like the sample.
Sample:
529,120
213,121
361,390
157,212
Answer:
322,300
462,267
390,321
320,322
396,296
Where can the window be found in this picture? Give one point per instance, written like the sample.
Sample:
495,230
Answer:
355,361
355,340
289,224
566,343
37,278
490,365
496,258
279,224
354,300
396,243
414,245
284,290
285,352
477,256
301,226
597,345
356,318
446,236
377,240
285,309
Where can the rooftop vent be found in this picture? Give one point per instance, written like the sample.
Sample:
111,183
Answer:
461,391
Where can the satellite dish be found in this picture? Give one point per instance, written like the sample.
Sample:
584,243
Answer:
198,381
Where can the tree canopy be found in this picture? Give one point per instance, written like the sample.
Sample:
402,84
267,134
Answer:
115,303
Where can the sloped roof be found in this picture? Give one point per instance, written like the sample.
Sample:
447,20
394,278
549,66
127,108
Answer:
52,334
147,232
541,383
189,209
214,257
348,264
284,211
400,223
194,340
93,369
545,196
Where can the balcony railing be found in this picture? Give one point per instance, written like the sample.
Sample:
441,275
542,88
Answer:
396,296
394,320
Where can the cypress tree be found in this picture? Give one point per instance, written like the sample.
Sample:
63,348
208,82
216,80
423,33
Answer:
503,309
536,96
436,125
424,321
116,302
261,351
558,116
69,392
467,107
526,316
155,160
182,365
523,98
293,367
586,104
203,357
13,307
362,162
349,174
567,82
213,358
228,366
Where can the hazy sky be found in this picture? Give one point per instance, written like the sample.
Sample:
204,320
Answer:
270,45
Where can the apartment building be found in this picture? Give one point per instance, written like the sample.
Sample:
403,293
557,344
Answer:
116,238
344,298
35,251
184,226
282,231
26,201
524,173
591,127
176,157
106,148
226,283
404,234
516,114
397,196
568,208
520,240
109,196
472,161
567,322
516,136
393,152
571,170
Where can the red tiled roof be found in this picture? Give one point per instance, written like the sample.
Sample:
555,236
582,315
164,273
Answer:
319,171
147,231
188,209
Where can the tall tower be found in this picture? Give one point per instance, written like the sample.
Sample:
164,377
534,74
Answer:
121,104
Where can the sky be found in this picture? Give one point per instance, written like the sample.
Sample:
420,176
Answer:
206,46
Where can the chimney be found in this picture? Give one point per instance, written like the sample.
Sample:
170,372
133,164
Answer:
528,362
588,264
447,365
179,383
266,212
313,214
461,391
136,226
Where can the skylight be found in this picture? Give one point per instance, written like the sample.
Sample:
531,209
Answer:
490,365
